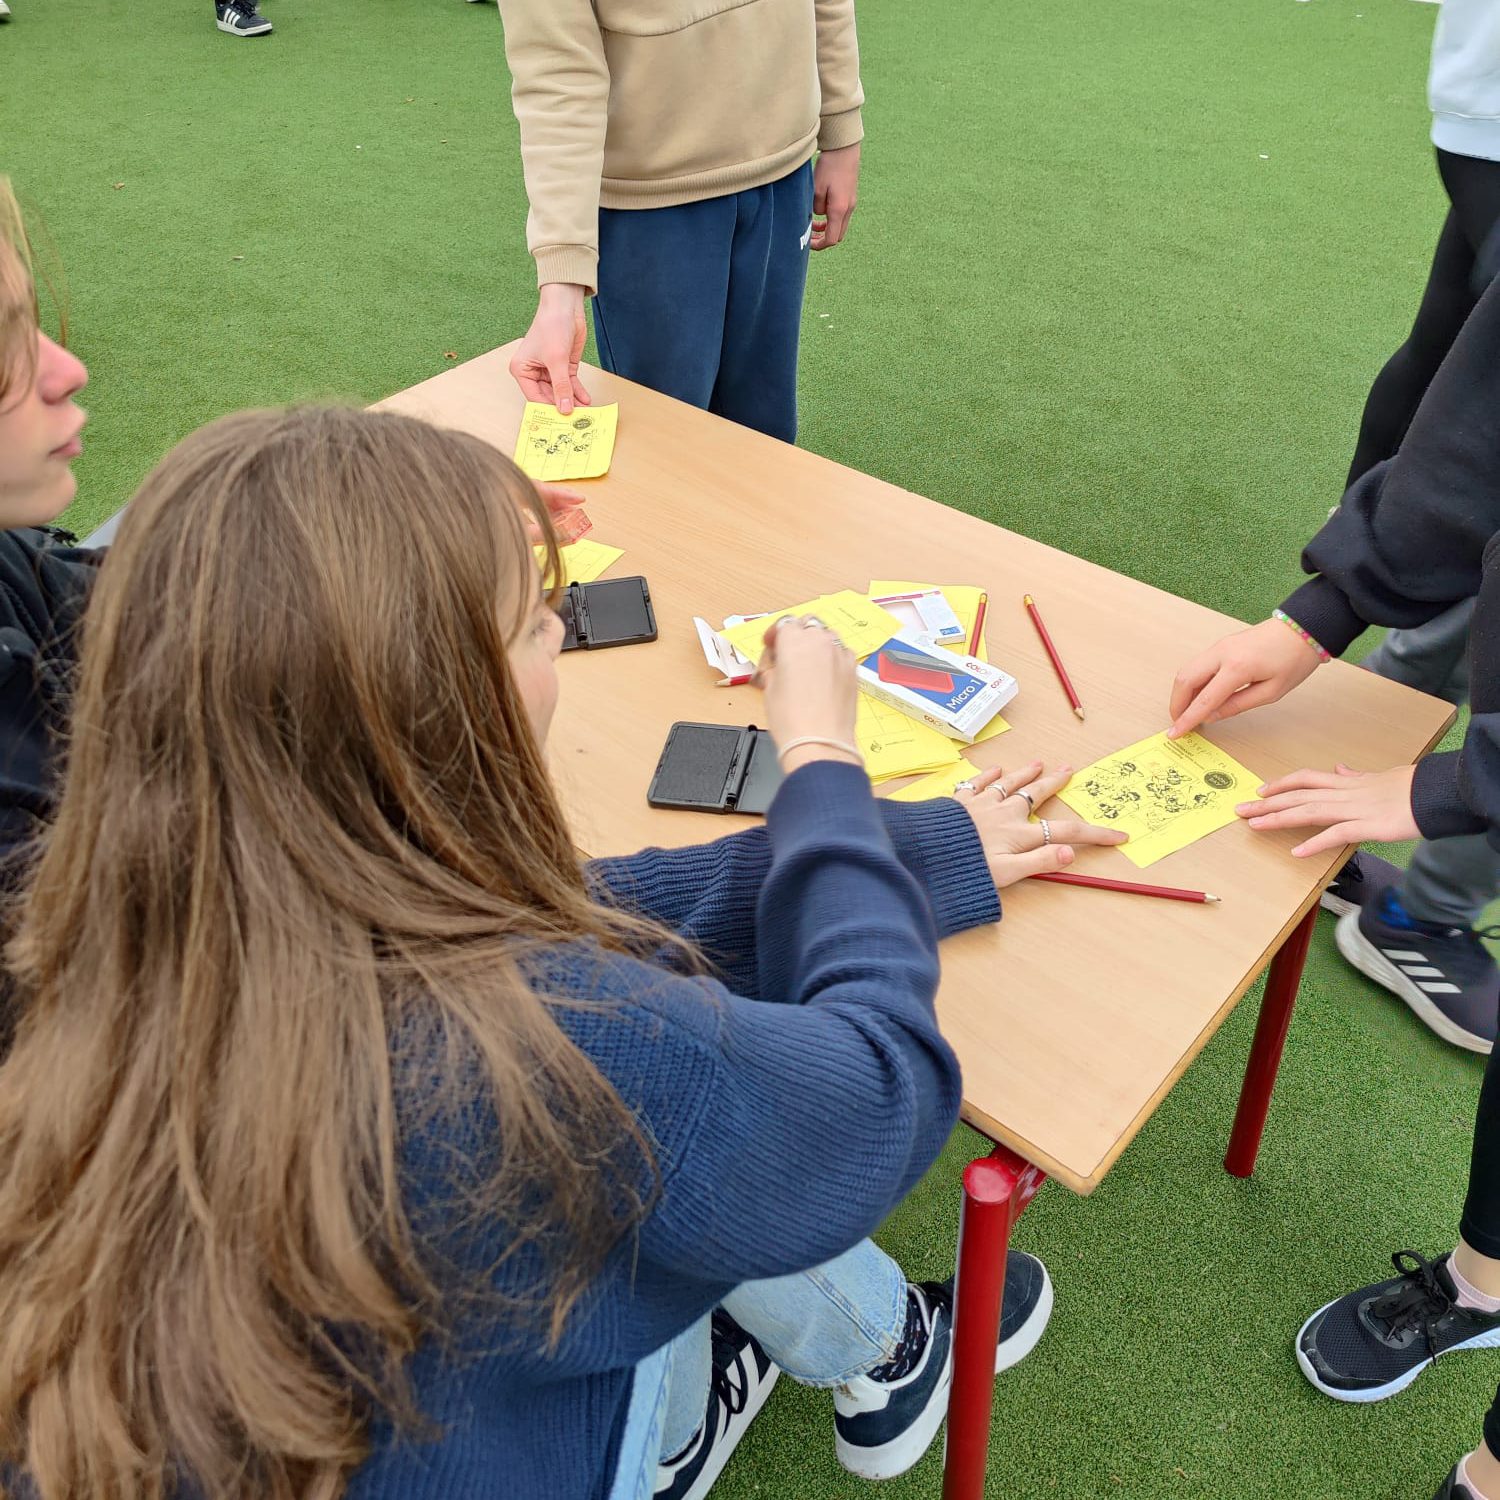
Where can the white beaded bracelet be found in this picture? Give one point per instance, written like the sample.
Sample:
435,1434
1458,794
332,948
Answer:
818,739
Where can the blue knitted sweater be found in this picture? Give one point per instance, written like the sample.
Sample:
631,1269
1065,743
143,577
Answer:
792,1102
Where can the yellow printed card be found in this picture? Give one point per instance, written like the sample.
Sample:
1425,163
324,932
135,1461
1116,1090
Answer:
1165,794
939,784
858,622
583,561
895,744
555,448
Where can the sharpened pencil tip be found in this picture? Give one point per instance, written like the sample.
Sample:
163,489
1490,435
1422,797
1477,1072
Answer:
1079,712
1214,899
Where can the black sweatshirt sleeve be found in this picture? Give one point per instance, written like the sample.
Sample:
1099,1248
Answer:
1408,539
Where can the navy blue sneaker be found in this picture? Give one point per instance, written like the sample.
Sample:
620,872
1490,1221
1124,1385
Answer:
1370,1344
1445,974
1453,1488
884,1422
1362,875
741,1379
240,18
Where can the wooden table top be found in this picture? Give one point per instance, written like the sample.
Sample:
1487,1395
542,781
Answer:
1075,1015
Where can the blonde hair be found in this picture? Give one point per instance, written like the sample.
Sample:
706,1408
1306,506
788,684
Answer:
20,315
279,929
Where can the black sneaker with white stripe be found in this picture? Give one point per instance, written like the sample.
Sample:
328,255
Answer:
240,18
884,1421
739,1382
1362,875
1445,974
1374,1342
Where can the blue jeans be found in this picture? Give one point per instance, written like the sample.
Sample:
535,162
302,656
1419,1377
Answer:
703,301
640,1443
823,1327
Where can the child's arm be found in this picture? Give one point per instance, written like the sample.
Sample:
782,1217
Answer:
1407,541
707,893
1442,795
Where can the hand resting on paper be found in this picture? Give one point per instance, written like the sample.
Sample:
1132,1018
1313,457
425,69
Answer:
558,500
1014,844
1349,806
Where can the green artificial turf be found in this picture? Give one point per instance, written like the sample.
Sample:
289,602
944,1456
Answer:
1120,275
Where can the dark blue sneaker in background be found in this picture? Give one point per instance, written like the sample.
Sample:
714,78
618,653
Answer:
1445,974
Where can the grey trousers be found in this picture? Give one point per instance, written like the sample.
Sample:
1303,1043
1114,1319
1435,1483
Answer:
1450,880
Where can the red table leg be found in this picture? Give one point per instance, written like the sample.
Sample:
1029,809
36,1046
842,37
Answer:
997,1189
1265,1051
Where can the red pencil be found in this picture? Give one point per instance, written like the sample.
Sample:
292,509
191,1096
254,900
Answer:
738,681
1101,883
978,636
1057,666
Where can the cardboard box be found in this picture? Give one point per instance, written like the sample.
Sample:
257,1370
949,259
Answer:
957,695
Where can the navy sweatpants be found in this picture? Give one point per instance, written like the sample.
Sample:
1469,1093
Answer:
703,301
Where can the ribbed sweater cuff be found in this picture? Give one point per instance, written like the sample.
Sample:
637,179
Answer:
939,844
1436,801
837,131
577,265
1323,610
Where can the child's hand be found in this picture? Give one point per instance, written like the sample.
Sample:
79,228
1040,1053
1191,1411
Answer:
1015,846
545,365
807,676
835,190
1244,670
1350,806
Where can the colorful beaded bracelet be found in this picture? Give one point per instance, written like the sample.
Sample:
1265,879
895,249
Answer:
1291,624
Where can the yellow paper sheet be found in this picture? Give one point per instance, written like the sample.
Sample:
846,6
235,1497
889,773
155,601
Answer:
1164,793
939,784
895,744
859,624
584,560
963,600
556,448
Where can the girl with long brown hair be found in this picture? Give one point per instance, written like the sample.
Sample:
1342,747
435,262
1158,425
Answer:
355,1138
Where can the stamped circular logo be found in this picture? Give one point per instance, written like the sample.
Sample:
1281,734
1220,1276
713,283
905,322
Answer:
1220,781
583,422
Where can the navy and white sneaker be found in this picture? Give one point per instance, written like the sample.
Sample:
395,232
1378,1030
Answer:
884,1422
1370,1344
740,1381
1362,875
1454,1488
1445,974
240,18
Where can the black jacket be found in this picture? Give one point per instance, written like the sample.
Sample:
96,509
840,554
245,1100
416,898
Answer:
1416,535
44,584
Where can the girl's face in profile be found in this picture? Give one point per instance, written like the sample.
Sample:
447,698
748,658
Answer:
39,439
533,659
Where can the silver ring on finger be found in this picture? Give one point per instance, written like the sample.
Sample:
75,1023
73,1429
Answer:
1046,831
1026,797
813,621
964,786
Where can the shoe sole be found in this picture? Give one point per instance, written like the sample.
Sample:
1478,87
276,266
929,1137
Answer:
1373,964
247,31
739,1425
1029,1334
1336,904
900,1454
1490,1340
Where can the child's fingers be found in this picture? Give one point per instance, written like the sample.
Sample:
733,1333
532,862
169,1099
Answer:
1219,689
1334,838
1301,810
1299,781
1256,695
